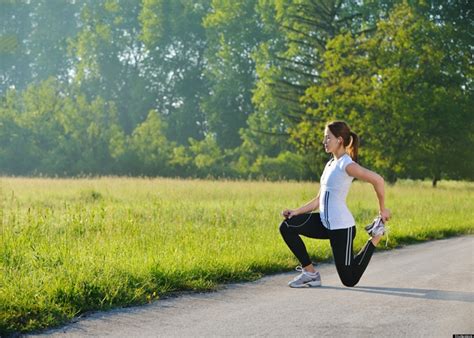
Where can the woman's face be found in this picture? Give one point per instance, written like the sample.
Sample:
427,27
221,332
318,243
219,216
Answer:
331,143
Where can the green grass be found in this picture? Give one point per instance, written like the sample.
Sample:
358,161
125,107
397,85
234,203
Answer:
76,245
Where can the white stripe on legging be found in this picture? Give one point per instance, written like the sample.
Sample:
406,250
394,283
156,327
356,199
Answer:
326,209
347,246
349,254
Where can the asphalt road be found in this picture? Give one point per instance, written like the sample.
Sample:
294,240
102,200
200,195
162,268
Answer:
423,290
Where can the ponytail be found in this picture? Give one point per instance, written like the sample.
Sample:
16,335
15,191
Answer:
350,139
353,147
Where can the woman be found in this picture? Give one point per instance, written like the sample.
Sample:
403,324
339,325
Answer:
334,220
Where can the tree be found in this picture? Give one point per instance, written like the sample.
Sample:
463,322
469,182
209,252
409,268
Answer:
109,59
54,130
234,32
89,128
175,43
33,41
16,153
150,146
406,89
293,61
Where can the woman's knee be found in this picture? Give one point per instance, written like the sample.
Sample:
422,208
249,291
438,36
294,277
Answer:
349,282
284,228
346,277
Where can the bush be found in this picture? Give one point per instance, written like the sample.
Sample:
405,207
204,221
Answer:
286,165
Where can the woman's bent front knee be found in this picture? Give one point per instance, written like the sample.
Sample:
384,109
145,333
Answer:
284,228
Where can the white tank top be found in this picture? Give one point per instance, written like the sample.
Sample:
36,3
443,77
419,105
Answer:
335,184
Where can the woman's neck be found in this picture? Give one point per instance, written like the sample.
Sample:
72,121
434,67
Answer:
339,153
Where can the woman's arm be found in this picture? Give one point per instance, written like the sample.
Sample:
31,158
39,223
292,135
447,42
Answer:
308,207
363,174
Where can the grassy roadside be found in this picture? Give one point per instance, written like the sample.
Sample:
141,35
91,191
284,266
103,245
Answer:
72,246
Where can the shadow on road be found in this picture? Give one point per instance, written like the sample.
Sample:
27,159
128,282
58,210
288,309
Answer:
460,296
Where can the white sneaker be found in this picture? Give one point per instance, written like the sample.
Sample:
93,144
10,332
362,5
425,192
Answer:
305,279
376,228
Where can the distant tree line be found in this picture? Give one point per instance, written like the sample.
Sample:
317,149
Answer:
234,88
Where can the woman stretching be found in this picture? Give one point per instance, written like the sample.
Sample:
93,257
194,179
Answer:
334,220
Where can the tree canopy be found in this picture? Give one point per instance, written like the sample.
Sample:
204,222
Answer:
237,89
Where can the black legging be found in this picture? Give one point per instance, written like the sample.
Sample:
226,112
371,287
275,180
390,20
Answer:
349,267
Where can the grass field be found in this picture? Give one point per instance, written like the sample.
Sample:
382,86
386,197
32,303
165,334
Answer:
75,245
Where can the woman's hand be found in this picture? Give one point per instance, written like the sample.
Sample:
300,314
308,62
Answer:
385,214
288,213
